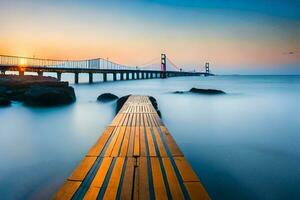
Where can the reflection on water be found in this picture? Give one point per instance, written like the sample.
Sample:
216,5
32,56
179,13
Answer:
243,145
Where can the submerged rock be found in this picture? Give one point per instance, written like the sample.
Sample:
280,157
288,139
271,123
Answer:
179,92
105,97
4,101
206,91
49,96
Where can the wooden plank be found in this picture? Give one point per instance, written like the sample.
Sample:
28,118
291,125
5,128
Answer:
92,193
143,179
67,191
136,183
100,144
141,120
143,142
117,146
173,147
196,191
173,182
125,144
154,119
82,169
127,186
114,181
133,120
101,173
159,142
137,123
151,122
185,170
125,120
158,181
151,146
145,120
136,147
131,142
112,142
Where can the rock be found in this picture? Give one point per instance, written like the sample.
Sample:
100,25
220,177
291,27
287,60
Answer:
121,102
206,91
179,92
105,97
155,105
35,90
49,96
4,101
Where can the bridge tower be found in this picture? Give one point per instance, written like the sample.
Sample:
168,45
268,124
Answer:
163,65
207,71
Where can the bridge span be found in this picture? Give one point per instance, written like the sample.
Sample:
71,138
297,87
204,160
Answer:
165,69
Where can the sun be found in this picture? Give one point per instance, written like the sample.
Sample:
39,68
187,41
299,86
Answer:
22,62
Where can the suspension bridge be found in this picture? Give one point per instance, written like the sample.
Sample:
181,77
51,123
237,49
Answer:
162,69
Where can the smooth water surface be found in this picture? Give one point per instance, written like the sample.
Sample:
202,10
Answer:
243,145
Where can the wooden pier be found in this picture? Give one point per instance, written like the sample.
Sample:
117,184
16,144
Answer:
135,158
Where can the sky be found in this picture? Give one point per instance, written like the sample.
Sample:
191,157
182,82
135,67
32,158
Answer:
234,36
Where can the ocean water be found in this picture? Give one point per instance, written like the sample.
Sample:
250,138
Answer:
243,145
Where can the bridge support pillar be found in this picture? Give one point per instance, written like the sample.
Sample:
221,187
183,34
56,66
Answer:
122,76
138,75
58,76
104,77
143,75
127,75
40,73
114,76
90,77
21,73
151,75
76,78
133,75
3,72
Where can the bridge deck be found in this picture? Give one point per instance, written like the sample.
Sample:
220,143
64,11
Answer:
135,158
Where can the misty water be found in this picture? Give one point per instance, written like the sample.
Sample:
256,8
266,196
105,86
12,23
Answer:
242,145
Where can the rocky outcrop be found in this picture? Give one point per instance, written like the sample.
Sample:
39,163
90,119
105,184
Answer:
35,90
105,97
201,91
49,96
155,105
206,91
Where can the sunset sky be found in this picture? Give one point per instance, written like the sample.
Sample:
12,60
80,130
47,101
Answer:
235,36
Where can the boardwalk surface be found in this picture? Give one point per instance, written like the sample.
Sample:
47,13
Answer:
135,158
